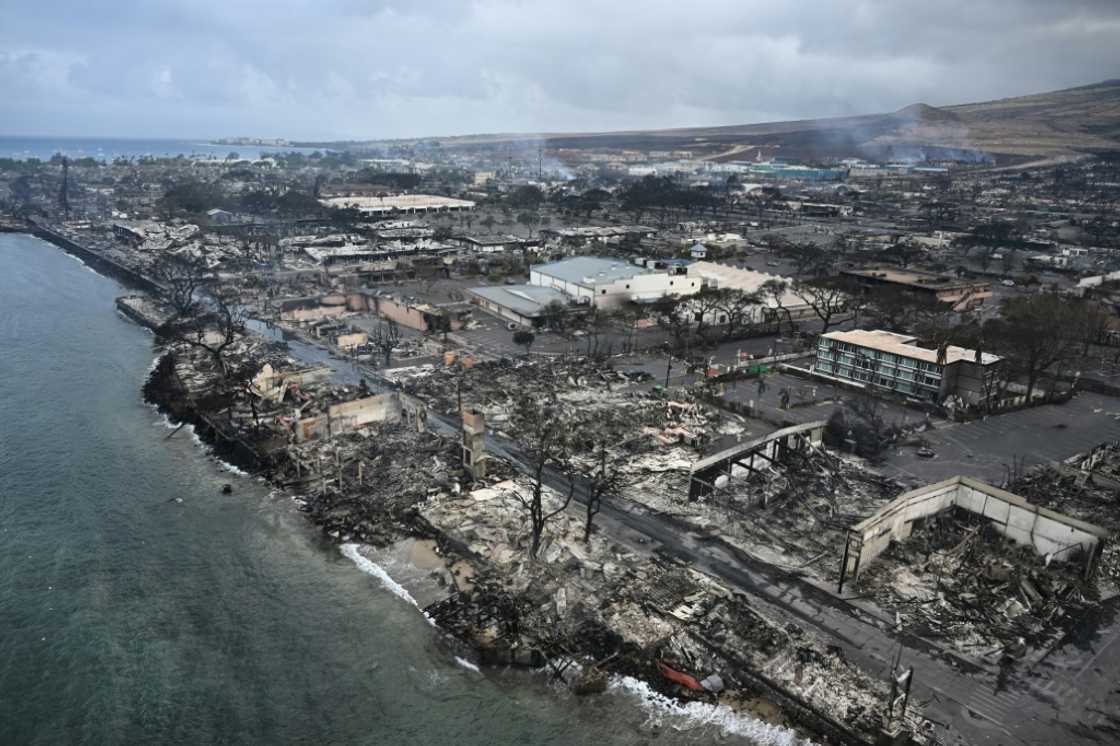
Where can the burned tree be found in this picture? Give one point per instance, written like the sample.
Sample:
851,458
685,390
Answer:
672,315
213,327
703,308
596,324
182,277
1038,334
544,441
604,433
555,316
827,298
385,337
240,381
738,308
775,292
524,338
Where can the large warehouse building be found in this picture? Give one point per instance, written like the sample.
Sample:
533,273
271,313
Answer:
608,283
400,203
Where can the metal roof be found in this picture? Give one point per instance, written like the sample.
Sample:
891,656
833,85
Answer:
526,300
590,270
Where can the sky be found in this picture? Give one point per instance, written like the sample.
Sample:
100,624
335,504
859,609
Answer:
354,69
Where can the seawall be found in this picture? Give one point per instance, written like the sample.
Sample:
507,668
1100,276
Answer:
97,261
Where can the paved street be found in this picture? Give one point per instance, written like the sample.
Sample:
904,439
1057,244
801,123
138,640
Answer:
1067,699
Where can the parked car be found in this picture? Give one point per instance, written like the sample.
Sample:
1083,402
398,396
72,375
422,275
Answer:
635,374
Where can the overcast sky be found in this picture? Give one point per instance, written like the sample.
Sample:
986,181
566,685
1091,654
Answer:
372,69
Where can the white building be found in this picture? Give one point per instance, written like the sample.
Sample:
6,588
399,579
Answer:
608,283
726,277
403,203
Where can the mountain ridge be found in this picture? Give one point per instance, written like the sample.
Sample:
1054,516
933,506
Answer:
1067,122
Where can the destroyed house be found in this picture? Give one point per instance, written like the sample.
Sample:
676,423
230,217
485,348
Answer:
1050,533
894,362
129,234
493,244
349,254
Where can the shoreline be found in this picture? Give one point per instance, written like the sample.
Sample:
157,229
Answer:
755,720
101,264
759,715
235,453
770,707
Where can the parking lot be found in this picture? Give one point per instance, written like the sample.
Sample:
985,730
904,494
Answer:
987,449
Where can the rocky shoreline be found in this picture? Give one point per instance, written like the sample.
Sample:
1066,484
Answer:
583,617
491,608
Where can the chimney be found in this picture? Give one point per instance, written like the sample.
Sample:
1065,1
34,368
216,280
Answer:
474,442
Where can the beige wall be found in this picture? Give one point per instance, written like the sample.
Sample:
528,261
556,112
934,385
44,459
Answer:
349,416
1046,531
350,341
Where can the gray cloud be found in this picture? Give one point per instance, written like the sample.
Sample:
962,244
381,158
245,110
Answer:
348,68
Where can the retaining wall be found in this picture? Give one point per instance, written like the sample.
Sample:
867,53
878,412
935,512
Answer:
1046,531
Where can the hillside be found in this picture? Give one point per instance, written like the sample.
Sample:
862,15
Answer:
1060,123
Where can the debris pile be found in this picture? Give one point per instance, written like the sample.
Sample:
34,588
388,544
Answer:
367,485
1089,497
631,613
957,580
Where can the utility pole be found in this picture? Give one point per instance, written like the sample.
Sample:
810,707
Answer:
540,162
901,682
64,190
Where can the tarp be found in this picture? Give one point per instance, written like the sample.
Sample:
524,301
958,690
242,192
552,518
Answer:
681,678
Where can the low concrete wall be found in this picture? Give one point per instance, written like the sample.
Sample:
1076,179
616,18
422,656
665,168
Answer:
316,313
102,264
350,341
349,416
1047,531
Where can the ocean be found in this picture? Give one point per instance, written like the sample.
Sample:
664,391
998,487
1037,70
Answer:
108,148
140,605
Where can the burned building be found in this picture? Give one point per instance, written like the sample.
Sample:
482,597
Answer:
961,294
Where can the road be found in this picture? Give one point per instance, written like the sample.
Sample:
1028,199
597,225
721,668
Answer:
965,701
1056,705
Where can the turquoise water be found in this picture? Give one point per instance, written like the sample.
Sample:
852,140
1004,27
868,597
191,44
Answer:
108,148
140,605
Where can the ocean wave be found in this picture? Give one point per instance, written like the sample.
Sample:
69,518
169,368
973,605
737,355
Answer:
231,468
88,268
701,713
467,664
166,422
369,567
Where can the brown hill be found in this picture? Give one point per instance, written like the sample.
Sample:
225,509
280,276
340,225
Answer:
1046,125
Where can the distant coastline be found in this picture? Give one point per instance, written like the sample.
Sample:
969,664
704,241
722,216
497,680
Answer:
23,147
266,142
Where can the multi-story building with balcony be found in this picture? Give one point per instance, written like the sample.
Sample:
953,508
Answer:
895,362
